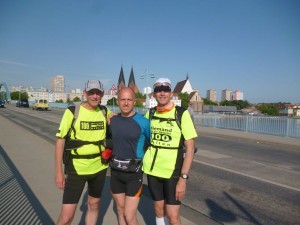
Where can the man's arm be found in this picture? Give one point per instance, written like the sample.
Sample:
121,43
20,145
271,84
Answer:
59,173
187,163
189,155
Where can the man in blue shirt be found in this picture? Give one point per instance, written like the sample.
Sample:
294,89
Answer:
130,134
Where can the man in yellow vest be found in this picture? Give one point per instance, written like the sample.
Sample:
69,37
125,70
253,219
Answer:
82,158
168,160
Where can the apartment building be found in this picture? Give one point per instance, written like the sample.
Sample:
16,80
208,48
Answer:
226,95
211,95
237,95
58,84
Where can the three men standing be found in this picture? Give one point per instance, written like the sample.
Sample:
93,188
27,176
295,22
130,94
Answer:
167,161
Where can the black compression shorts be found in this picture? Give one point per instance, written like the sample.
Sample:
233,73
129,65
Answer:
74,186
125,182
163,189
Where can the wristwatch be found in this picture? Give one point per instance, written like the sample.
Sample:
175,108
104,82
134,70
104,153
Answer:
184,176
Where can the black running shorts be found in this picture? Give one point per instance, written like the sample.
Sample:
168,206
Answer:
125,182
163,189
74,186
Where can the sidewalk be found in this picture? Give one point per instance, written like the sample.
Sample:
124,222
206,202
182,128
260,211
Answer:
28,194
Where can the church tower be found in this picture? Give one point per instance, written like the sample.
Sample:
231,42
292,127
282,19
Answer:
131,82
121,81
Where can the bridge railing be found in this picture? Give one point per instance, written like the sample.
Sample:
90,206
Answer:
273,125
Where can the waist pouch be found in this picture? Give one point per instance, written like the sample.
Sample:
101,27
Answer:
126,165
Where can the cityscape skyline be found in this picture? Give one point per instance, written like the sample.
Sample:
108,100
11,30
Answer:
58,82
57,85
248,45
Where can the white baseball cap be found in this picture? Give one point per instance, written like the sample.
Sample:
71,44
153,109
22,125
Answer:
162,81
94,84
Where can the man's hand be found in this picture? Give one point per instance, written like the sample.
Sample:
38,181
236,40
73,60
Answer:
180,189
60,180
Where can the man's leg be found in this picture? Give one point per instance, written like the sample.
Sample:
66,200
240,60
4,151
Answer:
173,214
172,205
67,214
133,191
92,211
131,205
159,208
74,185
120,203
95,187
156,188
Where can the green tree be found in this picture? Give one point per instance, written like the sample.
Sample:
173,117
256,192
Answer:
268,109
240,104
24,95
208,102
112,101
3,95
16,94
225,102
140,95
76,99
59,101
184,99
138,103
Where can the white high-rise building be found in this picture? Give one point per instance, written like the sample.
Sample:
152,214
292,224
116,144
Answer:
58,84
226,95
211,95
237,95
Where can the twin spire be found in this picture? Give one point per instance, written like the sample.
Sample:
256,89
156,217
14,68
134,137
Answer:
131,81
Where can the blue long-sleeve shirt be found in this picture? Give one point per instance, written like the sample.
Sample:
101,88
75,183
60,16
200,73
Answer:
129,136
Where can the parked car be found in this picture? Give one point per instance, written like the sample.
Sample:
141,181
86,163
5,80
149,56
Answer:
40,104
2,103
22,103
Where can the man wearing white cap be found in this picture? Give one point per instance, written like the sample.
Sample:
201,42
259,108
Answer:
80,142
164,162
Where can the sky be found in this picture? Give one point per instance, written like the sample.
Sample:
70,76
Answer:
247,45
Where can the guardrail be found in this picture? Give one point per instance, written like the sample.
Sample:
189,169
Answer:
273,125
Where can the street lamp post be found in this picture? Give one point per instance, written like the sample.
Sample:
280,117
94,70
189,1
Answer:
67,92
113,91
19,93
147,76
49,95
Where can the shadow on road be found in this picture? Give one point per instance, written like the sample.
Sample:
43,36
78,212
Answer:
222,215
18,205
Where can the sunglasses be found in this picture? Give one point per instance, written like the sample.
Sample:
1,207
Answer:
162,88
161,84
